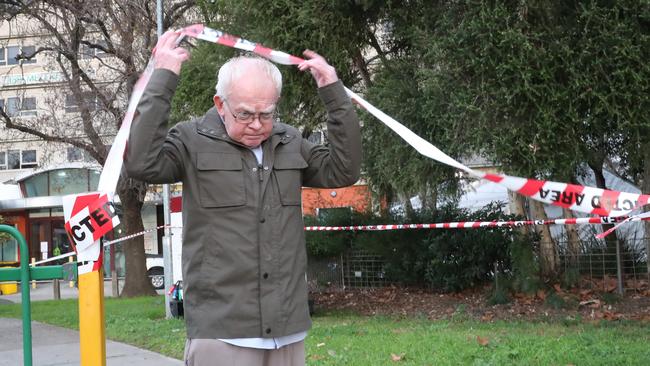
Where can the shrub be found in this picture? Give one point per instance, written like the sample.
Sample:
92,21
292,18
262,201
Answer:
447,260
525,268
325,244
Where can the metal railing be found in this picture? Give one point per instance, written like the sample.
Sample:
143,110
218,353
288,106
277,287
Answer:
25,274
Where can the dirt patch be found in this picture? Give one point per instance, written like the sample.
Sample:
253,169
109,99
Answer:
579,304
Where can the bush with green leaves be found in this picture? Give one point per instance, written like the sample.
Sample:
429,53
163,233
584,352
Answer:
325,244
446,260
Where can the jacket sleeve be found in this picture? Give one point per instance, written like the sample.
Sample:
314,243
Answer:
339,164
153,155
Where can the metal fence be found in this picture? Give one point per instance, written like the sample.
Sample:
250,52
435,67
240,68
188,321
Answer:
355,269
594,265
597,263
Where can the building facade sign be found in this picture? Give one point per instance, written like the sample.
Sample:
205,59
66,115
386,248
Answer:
34,78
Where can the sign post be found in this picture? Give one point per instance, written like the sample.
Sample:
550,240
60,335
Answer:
87,218
92,334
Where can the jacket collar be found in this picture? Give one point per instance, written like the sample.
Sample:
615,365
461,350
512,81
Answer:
211,125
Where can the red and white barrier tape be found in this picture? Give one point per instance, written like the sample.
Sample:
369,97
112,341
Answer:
478,224
445,225
106,243
575,197
590,200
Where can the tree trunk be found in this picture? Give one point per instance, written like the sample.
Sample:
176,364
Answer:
518,207
573,241
645,189
547,254
136,282
429,198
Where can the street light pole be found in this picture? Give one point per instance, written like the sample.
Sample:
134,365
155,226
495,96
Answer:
167,238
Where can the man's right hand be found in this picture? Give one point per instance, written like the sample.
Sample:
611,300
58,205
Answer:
168,55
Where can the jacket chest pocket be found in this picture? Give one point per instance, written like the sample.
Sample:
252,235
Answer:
287,169
220,180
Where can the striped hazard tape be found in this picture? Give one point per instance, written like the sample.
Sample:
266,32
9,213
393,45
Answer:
479,224
585,199
388,227
106,244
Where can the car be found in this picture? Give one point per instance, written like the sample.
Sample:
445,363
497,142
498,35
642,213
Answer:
156,271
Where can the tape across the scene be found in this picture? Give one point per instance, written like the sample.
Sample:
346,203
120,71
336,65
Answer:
386,227
481,224
574,197
585,199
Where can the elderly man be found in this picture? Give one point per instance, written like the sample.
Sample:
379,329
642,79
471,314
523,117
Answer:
244,256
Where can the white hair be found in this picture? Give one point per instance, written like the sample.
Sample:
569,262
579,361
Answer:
237,66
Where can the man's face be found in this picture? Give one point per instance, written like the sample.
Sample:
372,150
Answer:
252,94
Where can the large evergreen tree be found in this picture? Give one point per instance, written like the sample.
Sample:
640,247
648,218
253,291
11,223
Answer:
544,89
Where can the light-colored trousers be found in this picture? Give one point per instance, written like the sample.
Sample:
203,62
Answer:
213,352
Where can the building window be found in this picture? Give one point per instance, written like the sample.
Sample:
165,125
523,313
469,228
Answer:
76,154
60,182
86,52
12,55
36,185
89,99
13,159
21,107
17,159
8,249
28,159
101,53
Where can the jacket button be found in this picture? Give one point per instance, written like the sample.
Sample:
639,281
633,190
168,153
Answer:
265,275
262,220
268,330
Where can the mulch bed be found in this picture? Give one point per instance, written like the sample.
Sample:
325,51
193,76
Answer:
591,301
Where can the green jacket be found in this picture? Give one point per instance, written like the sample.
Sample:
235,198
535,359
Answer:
244,257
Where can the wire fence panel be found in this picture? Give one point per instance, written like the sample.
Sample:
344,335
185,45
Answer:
325,273
593,265
364,269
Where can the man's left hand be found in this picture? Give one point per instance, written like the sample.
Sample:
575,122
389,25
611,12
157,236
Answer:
323,73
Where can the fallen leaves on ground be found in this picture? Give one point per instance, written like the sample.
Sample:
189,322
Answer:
482,341
316,357
398,301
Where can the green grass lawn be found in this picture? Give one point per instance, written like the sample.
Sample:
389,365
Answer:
347,339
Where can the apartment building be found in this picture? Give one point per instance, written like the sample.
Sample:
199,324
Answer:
34,173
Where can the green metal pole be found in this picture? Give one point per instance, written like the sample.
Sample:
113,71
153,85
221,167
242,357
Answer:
24,289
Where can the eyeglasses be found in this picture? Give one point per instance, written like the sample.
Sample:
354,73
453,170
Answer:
248,118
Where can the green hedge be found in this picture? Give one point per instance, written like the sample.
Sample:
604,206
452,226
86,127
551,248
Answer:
444,259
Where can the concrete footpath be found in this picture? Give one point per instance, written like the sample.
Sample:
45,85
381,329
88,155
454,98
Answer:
44,291
59,346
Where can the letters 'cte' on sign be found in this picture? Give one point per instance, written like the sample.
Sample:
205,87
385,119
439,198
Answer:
88,217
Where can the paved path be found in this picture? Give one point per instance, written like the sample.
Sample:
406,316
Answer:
45,291
55,346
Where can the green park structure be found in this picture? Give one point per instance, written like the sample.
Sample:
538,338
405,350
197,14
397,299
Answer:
24,274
